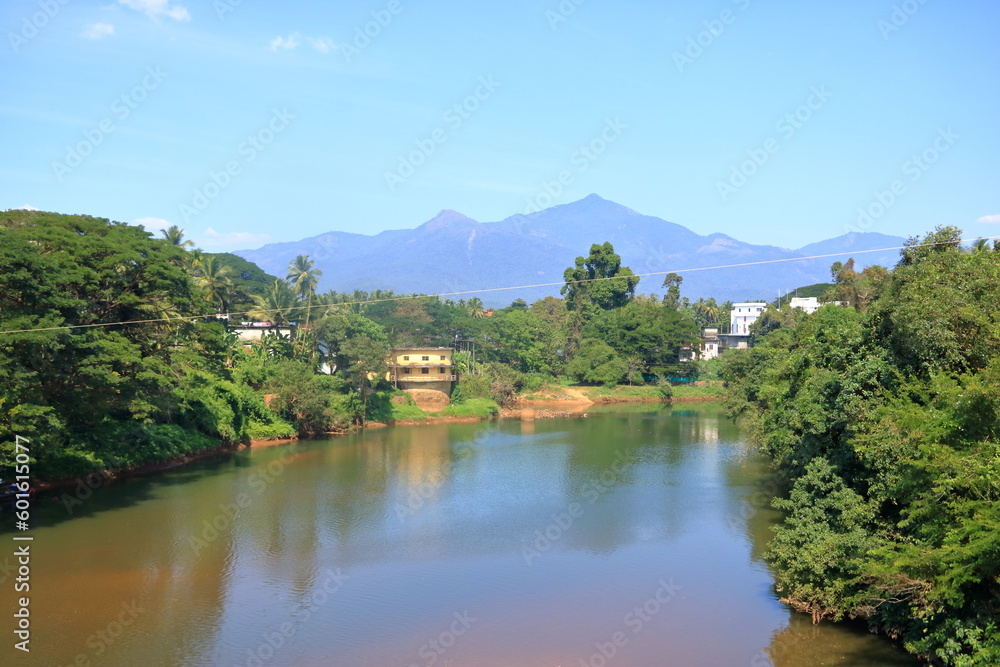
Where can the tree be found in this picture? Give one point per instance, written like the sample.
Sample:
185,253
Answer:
174,235
672,282
336,330
525,341
304,279
518,304
366,364
599,280
821,546
215,280
597,363
942,239
645,329
475,307
275,305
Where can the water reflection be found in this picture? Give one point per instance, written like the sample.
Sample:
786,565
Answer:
548,532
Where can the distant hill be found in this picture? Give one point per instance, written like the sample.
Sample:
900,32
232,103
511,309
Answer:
454,253
855,243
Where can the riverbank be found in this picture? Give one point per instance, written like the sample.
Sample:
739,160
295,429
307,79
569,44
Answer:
551,403
560,395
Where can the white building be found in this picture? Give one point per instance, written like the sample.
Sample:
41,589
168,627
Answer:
808,304
743,315
711,346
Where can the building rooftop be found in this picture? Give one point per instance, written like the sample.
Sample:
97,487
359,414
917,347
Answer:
423,349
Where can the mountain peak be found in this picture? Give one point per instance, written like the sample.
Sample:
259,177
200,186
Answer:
595,202
447,218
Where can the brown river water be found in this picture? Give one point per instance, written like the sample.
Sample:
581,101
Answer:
632,537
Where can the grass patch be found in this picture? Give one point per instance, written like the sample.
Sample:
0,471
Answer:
547,392
626,391
483,408
400,412
685,391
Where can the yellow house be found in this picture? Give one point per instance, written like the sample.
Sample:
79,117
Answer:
422,368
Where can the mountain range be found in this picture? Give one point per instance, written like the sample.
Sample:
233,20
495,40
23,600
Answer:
454,253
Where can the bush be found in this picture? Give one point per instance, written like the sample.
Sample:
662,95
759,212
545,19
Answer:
496,382
710,369
665,388
278,428
315,403
535,381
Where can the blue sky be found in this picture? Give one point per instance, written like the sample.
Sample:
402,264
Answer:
250,121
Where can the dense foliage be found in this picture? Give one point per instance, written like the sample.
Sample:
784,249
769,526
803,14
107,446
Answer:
884,415
118,347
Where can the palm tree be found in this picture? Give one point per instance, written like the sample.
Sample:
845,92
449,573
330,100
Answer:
711,311
175,236
215,279
276,305
699,311
304,279
981,246
475,307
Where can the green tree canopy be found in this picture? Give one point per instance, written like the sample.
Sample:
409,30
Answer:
599,280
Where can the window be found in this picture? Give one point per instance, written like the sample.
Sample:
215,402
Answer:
425,371
406,371
425,358
442,357
406,357
441,370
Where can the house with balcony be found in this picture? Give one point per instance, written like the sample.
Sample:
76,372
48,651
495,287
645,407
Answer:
422,368
740,318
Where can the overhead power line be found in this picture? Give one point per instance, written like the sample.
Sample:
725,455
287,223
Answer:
192,318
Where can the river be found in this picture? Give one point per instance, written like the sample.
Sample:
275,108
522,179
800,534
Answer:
632,537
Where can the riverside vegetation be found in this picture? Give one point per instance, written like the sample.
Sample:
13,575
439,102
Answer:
884,418
117,350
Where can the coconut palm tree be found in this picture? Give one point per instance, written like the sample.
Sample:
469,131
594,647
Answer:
276,305
711,311
304,279
475,307
215,279
175,236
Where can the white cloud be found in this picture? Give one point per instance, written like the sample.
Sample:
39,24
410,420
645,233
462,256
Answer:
290,42
323,44
26,208
98,30
152,224
294,40
230,241
157,8
990,219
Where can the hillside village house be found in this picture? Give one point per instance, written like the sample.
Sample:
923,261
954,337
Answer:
740,319
711,346
422,368
743,315
809,304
